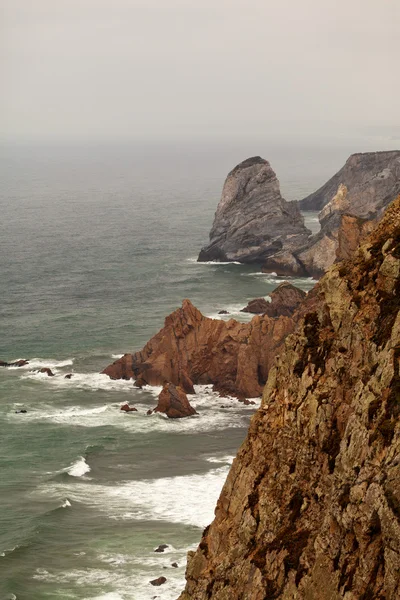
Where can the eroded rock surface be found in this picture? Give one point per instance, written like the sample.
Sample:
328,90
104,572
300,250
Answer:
252,220
193,349
285,299
311,506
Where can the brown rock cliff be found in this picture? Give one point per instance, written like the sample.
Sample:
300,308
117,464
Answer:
311,506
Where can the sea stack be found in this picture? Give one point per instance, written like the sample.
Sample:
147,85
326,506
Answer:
311,507
252,220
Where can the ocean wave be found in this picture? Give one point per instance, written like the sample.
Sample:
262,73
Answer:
40,363
213,262
226,460
83,381
116,356
78,469
66,504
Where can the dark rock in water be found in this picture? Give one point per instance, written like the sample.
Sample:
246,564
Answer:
68,376
161,548
372,179
173,402
126,408
46,370
247,402
18,363
3,363
158,581
223,312
150,411
258,306
175,565
23,411
252,220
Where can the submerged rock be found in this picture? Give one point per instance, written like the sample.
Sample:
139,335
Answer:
161,548
310,508
68,376
223,312
46,371
252,220
127,408
23,411
158,581
173,402
233,357
18,363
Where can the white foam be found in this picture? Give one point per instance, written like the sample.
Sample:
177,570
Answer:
213,262
78,469
84,381
66,504
226,460
40,363
116,356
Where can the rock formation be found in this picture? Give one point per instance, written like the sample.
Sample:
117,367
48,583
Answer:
372,179
18,363
193,349
173,402
285,299
311,506
126,408
252,220
363,188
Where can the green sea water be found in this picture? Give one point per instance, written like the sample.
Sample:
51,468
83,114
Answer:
97,246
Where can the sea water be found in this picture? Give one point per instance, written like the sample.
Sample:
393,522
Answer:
98,244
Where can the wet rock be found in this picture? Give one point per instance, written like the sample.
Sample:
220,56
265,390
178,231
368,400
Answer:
158,581
23,411
173,402
47,371
175,565
68,376
161,548
258,306
18,363
223,312
150,411
127,408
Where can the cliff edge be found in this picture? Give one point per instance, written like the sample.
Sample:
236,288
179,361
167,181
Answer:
311,506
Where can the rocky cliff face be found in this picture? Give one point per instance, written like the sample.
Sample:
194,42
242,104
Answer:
372,179
252,220
311,507
193,349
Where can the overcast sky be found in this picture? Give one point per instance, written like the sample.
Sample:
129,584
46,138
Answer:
162,69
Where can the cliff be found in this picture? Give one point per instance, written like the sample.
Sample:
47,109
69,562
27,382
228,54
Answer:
252,220
372,179
311,506
193,349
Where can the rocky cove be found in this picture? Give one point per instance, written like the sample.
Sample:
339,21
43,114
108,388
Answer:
310,508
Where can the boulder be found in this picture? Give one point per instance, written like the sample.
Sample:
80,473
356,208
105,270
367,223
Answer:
126,408
258,306
47,371
233,357
252,220
68,376
18,363
223,312
285,299
23,411
158,581
161,548
175,565
173,402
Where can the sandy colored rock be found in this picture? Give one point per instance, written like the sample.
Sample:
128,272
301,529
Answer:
311,506
174,403
234,357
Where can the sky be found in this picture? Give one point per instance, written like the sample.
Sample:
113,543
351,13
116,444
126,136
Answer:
172,69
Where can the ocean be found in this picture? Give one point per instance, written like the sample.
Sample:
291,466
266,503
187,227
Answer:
98,243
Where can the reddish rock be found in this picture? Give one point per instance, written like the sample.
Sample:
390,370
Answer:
149,412
18,363
285,299
46,370
158,581
234,357
173,402
352,230
127,408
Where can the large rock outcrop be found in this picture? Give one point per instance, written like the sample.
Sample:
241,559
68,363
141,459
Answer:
174,403
252,220
372,179
311,506
285,300
363,188
193,349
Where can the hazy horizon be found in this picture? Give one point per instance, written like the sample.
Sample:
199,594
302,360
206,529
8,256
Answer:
135,70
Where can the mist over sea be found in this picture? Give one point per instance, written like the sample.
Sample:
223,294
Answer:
98,243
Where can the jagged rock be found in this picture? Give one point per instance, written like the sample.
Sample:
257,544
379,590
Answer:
23,411
372,179
352,231
158,581
258,306
234,357
173,402
46,371
161,548
363,188
311,506
18,363
175,565
252,219
126,408
223,312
